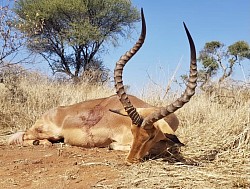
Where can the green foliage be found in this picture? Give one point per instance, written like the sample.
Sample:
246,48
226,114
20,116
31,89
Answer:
210,57
212,47
70,34
210,64
215,57
239,50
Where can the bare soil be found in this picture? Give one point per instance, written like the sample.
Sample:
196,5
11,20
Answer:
58,167
62,166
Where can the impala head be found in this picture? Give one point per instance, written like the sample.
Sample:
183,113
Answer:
148,126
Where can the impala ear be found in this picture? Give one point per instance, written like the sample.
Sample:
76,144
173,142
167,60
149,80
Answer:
174,139
143,112
164,127
120,112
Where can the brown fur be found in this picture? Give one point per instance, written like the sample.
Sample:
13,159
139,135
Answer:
91,124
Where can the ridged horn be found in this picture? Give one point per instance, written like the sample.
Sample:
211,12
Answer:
129,108
185,97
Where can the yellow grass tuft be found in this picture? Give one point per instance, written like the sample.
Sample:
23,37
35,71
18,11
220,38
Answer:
28,96
216,133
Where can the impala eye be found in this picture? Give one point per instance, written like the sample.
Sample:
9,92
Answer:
36,142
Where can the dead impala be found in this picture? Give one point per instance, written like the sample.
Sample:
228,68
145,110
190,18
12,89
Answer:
122,122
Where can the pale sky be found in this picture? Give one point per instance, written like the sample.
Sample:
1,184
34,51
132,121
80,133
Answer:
166,44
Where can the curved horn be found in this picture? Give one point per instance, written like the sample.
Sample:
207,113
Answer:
185,97
133,114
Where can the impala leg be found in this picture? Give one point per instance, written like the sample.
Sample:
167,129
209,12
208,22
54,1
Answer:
118,146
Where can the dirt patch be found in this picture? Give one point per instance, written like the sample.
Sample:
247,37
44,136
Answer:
58,167
66,167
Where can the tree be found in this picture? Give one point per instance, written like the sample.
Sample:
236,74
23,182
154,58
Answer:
70,35
215,57
237,52
10,39
210,57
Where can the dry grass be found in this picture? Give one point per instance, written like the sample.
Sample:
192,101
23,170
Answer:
217,135
217,151
26,96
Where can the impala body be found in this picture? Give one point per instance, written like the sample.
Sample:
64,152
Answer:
122,122
88,124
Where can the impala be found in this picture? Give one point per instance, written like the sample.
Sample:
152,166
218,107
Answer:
122,122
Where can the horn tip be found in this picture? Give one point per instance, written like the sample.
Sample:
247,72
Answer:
185,26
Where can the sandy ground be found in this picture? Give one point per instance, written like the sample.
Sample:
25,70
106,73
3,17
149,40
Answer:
59,167
62,166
